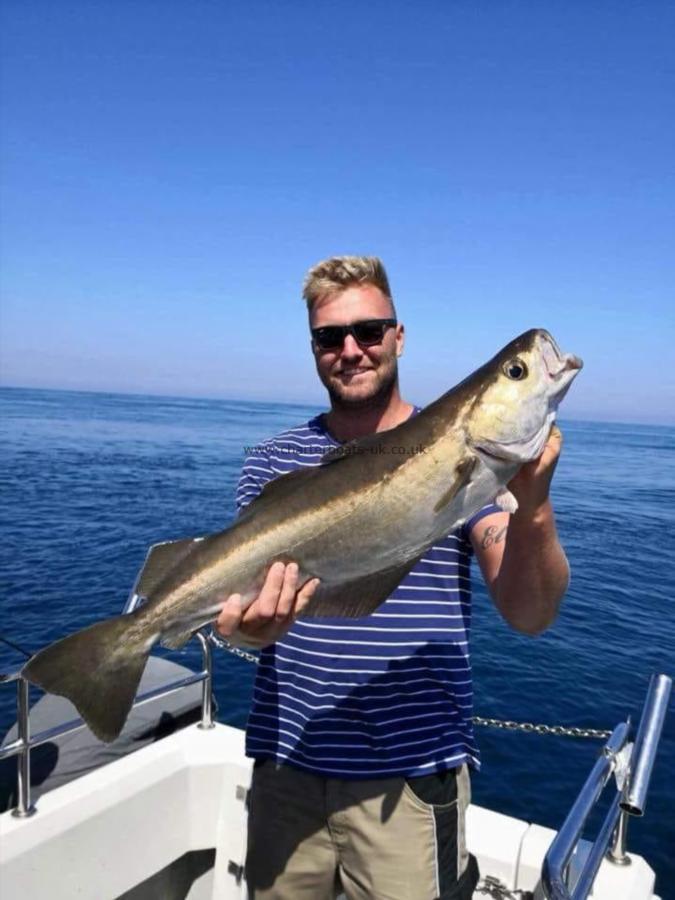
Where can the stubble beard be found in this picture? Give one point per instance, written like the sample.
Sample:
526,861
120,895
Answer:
377,399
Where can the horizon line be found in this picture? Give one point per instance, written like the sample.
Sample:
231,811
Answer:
576,417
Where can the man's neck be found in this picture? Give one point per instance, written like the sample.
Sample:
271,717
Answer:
347,424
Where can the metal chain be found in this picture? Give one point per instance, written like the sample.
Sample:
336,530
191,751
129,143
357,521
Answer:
504,724
494,888
221,644
559,730
242,654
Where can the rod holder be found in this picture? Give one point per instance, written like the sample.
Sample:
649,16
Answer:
634,800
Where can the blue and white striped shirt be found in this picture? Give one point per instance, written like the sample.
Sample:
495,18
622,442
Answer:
385,694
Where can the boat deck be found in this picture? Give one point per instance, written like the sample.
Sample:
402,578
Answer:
169,821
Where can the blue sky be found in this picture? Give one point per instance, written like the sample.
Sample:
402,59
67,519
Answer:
171,169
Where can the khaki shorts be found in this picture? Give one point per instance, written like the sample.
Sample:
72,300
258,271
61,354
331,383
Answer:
310,837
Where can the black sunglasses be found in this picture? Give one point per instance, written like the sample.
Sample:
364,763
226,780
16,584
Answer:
366,333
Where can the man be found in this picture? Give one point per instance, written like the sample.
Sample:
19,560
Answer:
361,729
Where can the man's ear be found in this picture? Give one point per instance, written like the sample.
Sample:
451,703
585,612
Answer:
400,338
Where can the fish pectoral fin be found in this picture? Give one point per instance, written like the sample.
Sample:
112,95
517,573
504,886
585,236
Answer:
360,597
160,559
463,473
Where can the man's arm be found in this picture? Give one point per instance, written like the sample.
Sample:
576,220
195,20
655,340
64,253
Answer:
520,556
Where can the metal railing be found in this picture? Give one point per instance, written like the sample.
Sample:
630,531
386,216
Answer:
22,746
632,766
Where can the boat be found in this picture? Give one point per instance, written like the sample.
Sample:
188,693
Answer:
169,819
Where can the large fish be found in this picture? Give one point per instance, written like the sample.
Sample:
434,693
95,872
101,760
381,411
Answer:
358,522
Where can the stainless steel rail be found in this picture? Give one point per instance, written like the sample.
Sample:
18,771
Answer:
649,732
633,782
556,863
633,801
21,748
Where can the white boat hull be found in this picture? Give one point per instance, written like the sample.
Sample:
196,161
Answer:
170,821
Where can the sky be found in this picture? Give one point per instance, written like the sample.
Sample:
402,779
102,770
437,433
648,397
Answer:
170,170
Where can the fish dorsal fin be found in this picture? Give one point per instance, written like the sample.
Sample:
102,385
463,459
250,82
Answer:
360,597
159,561
462,475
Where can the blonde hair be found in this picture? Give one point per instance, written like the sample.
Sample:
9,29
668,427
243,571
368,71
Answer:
333,275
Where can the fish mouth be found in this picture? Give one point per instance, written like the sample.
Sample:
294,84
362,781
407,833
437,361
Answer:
558,364
570,363
562,377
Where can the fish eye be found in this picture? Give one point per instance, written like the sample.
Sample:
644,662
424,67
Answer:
515,369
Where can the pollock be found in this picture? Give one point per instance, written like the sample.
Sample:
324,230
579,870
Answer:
358,522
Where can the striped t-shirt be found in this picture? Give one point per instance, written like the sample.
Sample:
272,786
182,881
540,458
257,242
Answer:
385,694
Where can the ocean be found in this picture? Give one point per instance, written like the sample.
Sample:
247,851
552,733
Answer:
90,480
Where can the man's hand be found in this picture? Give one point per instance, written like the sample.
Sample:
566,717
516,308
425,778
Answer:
272,612
531,485
520,556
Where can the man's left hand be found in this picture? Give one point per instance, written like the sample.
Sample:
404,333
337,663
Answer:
531,485
526,570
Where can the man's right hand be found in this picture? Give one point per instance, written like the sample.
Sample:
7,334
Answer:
272,612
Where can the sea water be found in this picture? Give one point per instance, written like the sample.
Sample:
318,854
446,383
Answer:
90,480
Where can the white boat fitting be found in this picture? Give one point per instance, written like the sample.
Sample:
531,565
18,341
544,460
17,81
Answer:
169,821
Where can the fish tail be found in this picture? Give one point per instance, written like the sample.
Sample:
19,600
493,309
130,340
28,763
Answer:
98,669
